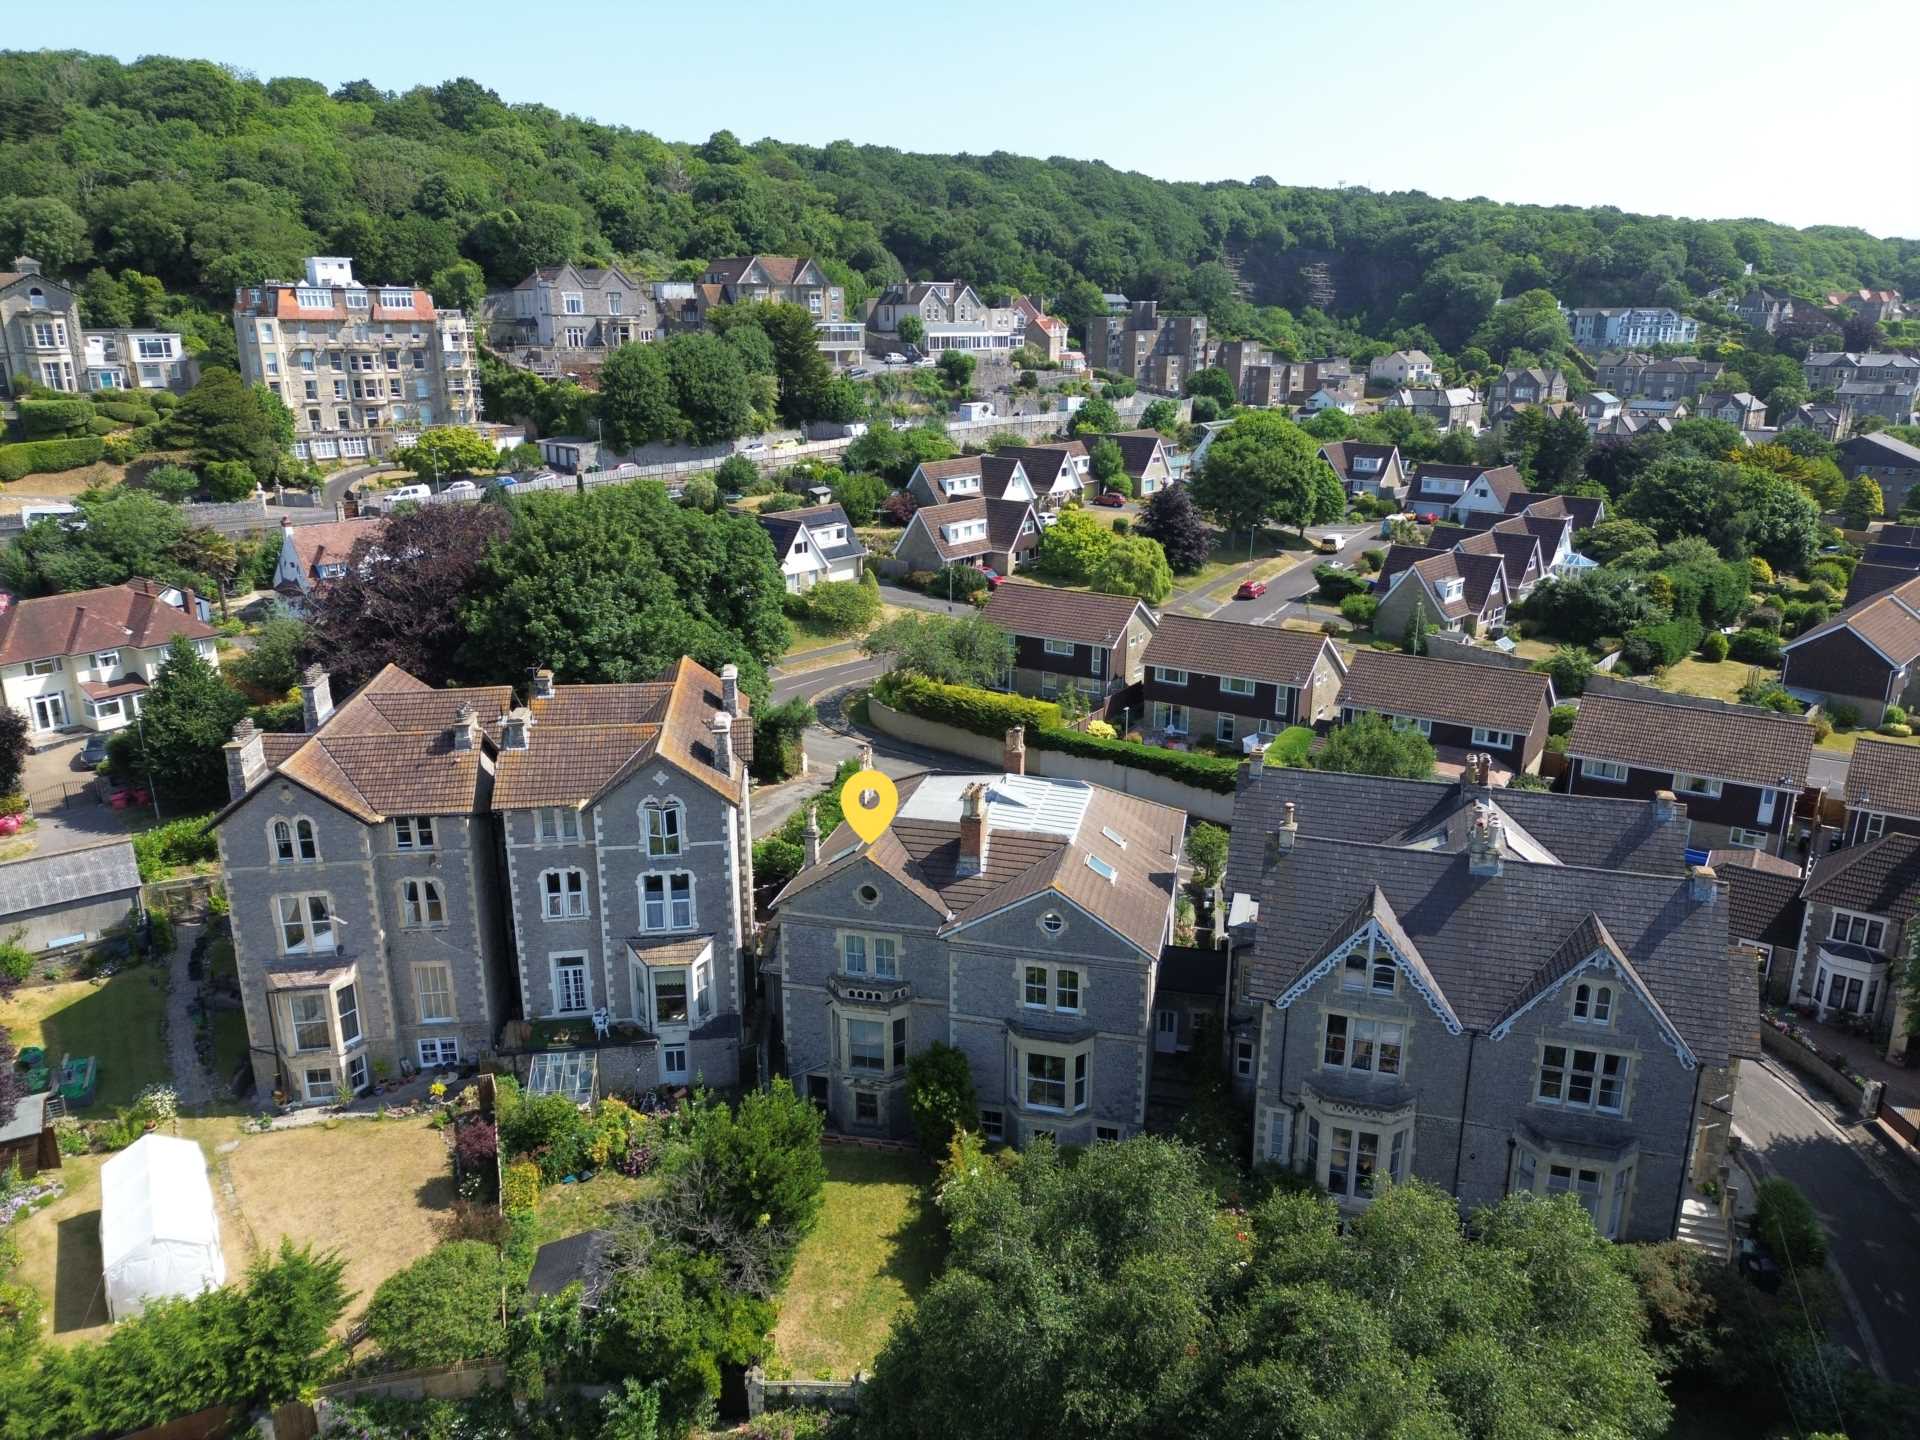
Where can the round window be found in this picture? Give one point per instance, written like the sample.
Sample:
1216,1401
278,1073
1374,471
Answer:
1052,923
868,895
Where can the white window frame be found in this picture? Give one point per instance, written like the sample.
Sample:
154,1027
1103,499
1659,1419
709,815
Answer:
1379,1035
1059,647
665,825
568,961
437,1052
424,993
423,906
1593,1003
557,825
1873,930
1236,685
413,832
1700,785
1169,677
1494,739
1569,1069
310,912
560,897
1244,1054
302,841
670,918
1610,772
323,1018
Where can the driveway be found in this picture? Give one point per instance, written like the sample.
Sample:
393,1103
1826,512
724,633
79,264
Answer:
1867,1198
66,806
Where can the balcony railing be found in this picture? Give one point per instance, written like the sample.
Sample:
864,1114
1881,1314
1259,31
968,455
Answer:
862,990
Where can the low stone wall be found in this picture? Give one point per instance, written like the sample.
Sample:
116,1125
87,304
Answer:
840,1396
1805,1063
1204,804
444,1382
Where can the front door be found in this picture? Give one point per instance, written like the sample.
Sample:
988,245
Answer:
49,712
1166,1031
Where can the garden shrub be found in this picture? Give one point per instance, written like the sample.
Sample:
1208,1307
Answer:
1291,746
1654,647
1759,570
1755,647
1843,715
50,419
1764,617
549,1131
442,1309
839,607
187,841
36,457
1784,1220
1336,584
1829,574
16,963
1895,730
961,582
476,1148
766,1156
520,1187
1893,715
940,1096
777,860
100,425
1120,525
1360,609
1799,616
1713,647
125,413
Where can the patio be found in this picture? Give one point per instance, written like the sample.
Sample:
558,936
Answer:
1863,1055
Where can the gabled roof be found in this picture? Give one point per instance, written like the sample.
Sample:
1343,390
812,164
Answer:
1004,520
1138,449
1721,742
1418,687
1878,449
1762,905
1251,652
785,527
1342,455
1040,834
586,739
332,542
1889,622
1080,616
1584,510
1884,777
1482,581
1482,937
1044,464
1881,877
84,621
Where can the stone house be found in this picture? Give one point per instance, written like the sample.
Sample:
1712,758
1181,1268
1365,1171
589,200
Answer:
1891,463
40,334
1735,407
1606,327
1019,919
84,660
1859,904
1223,681
1531,386
1739,769
565,318
1893,401
311,556
1501,993
1094,643
792,280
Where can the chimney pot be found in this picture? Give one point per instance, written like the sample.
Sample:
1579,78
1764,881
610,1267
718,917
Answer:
1281,842
543,684
466,727
812,834
513,728
1486,842
316,697
246,756
1015,761
730,688
1665,804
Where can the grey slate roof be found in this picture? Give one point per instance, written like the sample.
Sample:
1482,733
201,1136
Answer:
1486,939
1599,832
73,875
784,526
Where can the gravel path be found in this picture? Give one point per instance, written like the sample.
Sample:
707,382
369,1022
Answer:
191,1081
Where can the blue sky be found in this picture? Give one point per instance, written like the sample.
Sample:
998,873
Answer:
1695,107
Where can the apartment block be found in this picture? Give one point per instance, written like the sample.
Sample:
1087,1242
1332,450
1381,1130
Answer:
1154,350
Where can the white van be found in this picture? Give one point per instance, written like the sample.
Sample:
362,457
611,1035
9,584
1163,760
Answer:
416,493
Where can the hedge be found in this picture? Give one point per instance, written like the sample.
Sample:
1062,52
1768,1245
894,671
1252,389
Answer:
1336,584
46,419
1657,646
984,712
47,456
1756,647
131,414
177,843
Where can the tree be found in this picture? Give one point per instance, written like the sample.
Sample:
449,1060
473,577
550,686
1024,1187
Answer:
860,495
229,480
399,601
1594,603
1215,384
1071,548
802,371
617,584
1819,476
894,454
443,1308
1161,415
955,650
1133,565
1863,502
272,666
1096,417
46,228
188,715
910,330
1207,849
636,403
172,483
1169,517
1105,462
1620,542
956,368
1261,467
700,493
14,744
1569,668
1368,745
710,388
1414,641
940,1096
222,418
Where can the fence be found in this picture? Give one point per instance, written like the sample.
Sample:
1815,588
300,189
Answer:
840,1396
441,1382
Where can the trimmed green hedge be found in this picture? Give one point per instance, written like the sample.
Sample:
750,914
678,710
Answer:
46,456
985,712
1657,646
131,414
47,419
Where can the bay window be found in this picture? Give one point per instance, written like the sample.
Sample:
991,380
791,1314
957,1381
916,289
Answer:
311,1030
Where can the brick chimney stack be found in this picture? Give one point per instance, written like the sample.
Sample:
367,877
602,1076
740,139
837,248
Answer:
466,727
543,684
1015,760
513,728
730,688
316,697
246,756
722,724
973,829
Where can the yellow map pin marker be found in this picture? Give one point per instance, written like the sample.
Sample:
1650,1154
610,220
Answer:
868,801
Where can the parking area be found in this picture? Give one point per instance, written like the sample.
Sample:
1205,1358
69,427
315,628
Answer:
67,809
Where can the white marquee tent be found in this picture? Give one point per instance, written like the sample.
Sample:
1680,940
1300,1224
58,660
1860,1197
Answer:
159,1235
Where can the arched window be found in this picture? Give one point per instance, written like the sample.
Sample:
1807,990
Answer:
666,827
294,840
1593,1004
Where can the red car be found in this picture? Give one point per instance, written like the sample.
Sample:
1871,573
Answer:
1111,500
1250,590
994,578
1429,518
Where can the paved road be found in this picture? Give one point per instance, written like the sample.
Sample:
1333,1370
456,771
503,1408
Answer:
1870,1205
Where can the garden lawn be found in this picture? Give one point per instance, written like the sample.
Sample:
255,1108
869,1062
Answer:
1843,740
569,1209
807,637
876,1248
117,1021
1721,681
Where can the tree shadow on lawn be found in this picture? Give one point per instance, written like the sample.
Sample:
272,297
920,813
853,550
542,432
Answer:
917,1246
79,1289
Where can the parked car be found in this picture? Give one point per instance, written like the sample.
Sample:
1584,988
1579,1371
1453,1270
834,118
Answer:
858,372
1112,499
461,490
925,362
414,493
92,753
1250,590
994,578
894,357
753,447
1429,518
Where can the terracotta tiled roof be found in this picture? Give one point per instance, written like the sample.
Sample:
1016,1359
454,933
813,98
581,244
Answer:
585,739
923,854
1885,777
1137,449
331,543
1477,575
1044,464
1726,742
1887,621
1251,652
88,620
947,469
1004,519
1081,616
1418,687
